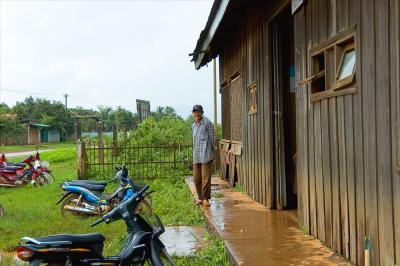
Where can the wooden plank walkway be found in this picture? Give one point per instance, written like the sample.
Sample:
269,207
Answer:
256,236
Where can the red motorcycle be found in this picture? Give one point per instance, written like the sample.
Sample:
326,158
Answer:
16,174
12,175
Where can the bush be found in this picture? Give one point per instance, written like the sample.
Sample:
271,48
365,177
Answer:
161,132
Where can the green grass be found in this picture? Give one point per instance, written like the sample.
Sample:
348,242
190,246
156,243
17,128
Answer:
32,212
213,253
238,188
42,146
173,202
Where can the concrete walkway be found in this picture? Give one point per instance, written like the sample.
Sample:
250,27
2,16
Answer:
256,236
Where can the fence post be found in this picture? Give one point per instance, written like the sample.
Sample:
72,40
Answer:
174,147
115,139
82,160
78,129
100,141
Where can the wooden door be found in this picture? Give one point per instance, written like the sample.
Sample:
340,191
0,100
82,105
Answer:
279,141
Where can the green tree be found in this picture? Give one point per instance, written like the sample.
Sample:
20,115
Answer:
10,128
166,111
45,111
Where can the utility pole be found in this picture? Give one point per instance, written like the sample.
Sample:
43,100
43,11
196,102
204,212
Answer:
215,95
216,150
66,100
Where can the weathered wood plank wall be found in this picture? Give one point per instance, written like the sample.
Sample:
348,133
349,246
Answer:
352,139
246,55
347,146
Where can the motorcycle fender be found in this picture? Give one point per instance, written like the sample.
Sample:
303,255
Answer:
134,246
156,250
64,196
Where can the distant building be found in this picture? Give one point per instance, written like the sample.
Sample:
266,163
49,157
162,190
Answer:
143,109
41,133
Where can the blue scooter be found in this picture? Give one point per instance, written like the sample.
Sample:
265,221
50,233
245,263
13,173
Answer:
87,197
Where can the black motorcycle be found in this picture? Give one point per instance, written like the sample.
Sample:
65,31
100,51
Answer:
142,243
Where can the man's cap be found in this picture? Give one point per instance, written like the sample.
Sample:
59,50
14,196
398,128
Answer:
198,107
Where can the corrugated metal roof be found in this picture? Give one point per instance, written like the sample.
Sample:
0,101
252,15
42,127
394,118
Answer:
40,125
201,54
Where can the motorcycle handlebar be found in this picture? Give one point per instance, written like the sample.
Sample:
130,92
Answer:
107,218
97,222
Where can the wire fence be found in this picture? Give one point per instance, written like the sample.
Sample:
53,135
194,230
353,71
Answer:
142,161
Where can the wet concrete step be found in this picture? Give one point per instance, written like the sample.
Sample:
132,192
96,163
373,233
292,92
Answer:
183,241
256,236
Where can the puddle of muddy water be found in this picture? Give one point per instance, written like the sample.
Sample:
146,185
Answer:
183,240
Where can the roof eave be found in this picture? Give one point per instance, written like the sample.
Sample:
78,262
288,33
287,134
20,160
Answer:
210,33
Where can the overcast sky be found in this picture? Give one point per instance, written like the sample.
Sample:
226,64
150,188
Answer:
104,52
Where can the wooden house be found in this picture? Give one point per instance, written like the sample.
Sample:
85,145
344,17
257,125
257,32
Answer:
310,114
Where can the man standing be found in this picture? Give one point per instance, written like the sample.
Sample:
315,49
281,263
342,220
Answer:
203,154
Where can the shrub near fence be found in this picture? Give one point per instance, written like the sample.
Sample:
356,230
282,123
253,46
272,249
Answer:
142,161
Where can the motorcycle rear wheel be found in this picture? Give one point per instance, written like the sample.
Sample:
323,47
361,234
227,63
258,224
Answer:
72,201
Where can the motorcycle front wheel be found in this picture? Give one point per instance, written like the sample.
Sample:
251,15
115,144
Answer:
166,258
49,177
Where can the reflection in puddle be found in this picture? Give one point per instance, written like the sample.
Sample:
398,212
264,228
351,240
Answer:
183,240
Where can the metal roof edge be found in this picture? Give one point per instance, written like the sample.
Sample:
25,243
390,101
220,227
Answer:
210,31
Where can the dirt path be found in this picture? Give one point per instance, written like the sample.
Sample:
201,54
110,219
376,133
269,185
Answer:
13,154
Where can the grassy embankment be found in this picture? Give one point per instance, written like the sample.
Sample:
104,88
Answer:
32,212
42,146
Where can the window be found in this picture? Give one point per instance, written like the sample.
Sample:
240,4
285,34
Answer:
347,64
346,68
252,99
333,66
318,80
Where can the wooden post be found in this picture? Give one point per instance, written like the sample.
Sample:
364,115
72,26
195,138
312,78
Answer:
125,132
174,147
216,144
82,160
78,129
100,142
115,139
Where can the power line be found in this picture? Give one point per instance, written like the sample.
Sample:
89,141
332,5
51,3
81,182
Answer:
28,92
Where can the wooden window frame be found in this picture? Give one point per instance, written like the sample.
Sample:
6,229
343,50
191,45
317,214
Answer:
341,83
339,45
252,99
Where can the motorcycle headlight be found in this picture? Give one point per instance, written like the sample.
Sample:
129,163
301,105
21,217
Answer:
44,164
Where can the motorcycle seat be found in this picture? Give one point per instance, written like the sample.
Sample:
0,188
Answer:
92,182
16,164
73,238
99,188
12,168
94,242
